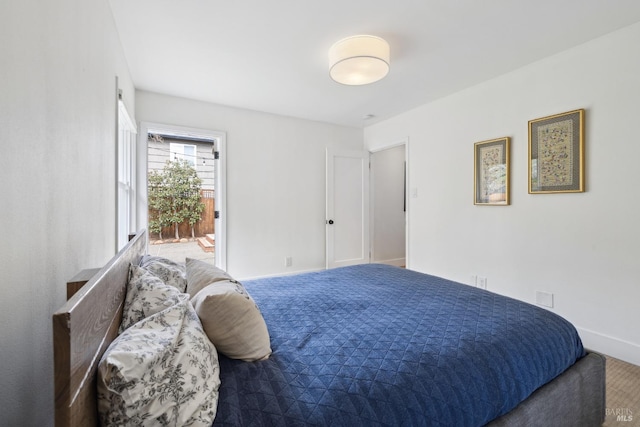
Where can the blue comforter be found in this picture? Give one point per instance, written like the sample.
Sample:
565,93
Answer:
378,345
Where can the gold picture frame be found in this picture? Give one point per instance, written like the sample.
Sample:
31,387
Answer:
491,172
556,153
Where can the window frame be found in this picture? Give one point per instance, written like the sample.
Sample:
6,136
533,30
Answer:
125,176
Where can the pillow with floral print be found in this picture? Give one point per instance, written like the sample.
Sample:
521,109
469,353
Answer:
162,370
146,295
170,272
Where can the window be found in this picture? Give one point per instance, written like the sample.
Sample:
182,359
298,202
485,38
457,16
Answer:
126,202
185,152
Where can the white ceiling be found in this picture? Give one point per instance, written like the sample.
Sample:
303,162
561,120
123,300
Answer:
271,56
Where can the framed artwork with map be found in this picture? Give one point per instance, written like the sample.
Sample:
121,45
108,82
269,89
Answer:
491,172
556,153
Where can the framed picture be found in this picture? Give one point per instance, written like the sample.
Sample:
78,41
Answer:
556,153
491,172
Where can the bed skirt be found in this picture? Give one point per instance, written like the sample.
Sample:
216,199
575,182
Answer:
557,402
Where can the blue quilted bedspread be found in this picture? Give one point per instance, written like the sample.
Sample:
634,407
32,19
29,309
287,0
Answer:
378,345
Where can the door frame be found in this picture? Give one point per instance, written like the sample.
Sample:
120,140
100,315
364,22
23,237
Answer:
220,179
397,143
372,199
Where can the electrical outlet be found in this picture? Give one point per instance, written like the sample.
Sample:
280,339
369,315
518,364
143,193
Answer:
544,298
288,261
482,282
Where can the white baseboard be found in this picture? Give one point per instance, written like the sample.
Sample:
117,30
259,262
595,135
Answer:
284,273
398,262
610,346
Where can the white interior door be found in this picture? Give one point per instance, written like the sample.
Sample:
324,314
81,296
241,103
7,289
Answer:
347,221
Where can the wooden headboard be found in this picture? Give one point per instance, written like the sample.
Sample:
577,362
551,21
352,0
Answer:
83,329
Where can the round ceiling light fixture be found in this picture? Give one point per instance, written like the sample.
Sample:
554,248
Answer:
359,60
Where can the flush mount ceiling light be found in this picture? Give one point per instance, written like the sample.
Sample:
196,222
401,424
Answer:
359,60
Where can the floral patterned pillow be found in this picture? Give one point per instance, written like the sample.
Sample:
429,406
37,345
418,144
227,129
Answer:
170,272
146,295
161,371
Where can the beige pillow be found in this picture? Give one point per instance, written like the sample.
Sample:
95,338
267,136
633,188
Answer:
229,316
201,274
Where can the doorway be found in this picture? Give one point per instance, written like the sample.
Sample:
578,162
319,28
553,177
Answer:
389,205
169,152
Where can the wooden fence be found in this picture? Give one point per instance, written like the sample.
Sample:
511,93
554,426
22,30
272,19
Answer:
202,227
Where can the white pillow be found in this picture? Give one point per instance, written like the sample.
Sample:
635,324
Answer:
229,315
146,295
161,371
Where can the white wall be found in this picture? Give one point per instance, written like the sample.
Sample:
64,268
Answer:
275,180
57,169
581,247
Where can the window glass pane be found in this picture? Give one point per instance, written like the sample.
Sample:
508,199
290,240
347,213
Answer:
190,154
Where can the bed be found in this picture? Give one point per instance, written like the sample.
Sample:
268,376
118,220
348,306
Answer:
363,345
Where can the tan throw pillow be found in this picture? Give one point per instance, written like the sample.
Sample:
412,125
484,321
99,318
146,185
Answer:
201,274
230,317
